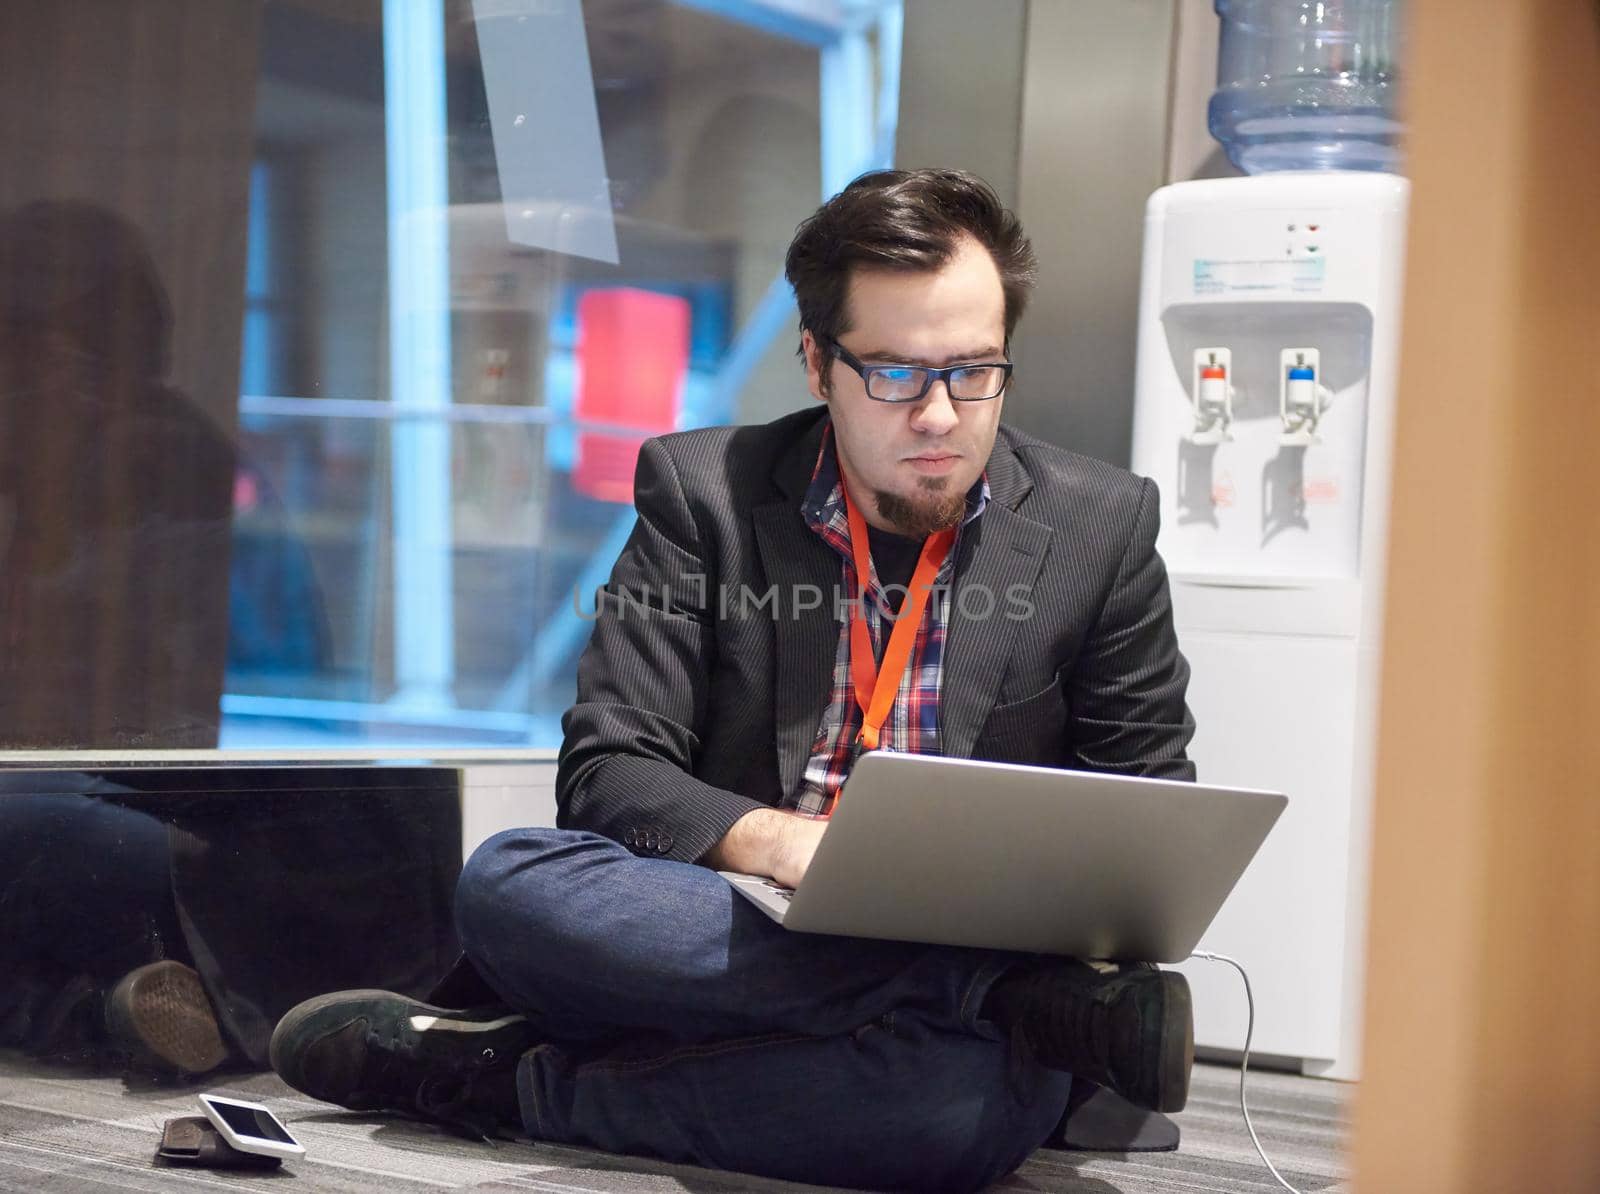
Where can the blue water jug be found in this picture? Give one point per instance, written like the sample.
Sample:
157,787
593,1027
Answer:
1308,84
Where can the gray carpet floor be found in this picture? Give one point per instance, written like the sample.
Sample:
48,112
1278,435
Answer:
60,1131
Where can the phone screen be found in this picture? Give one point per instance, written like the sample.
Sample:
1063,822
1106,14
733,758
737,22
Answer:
246,1121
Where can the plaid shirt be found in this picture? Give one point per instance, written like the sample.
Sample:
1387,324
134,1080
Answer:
912,726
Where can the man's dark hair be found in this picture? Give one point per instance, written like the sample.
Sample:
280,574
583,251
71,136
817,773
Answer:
907,220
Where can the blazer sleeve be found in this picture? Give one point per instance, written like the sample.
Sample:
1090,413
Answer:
1125,696
631,739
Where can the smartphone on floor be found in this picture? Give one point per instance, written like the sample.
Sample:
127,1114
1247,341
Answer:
250,1127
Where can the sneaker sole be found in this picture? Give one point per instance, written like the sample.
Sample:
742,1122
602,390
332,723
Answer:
163,1014
422,1019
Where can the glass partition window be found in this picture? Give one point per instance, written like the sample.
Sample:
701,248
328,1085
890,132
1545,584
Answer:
331,329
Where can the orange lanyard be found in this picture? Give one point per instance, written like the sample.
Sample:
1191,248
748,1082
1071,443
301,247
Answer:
877,687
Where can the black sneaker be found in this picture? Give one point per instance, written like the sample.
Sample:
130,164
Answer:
1126,1026
161,1017
378,1051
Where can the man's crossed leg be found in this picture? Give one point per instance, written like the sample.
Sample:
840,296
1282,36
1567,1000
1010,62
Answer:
644,1007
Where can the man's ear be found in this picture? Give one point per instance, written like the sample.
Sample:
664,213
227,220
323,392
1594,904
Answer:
815,381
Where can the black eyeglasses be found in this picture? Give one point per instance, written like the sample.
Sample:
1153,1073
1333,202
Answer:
908,383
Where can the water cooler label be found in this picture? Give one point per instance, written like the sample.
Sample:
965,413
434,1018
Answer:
1290,275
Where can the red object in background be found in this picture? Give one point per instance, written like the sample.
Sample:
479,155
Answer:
633,354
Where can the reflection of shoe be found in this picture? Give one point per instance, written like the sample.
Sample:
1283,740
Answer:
161,1015
378,1051
53,1015
1129,1027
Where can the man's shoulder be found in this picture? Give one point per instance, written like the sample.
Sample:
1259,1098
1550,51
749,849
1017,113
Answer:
743,459
1058,473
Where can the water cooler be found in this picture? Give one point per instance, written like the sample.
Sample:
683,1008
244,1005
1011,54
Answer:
1269,325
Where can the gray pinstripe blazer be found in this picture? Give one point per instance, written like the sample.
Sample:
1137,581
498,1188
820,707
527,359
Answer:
713,644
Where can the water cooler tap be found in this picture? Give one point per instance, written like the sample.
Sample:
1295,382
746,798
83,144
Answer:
1213,396
1302,398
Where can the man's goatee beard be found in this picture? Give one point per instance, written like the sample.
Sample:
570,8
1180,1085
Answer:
918,520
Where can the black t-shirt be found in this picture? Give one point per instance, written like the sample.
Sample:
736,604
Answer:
895,558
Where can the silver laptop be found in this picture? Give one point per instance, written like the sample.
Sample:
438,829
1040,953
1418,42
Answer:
1002,856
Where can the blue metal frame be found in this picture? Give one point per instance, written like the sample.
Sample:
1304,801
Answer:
820,27
419,350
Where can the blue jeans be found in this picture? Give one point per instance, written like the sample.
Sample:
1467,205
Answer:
684,1024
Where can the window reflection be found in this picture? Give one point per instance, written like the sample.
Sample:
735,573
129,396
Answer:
162,921
117,490
356,443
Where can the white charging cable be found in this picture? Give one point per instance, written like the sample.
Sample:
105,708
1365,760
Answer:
1244,1064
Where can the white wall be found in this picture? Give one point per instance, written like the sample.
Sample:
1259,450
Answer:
496,796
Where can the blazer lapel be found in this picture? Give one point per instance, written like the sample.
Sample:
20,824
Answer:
1001,548
797,564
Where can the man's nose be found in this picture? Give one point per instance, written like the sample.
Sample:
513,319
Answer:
935,412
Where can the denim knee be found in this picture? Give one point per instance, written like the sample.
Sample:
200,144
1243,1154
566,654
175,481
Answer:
505,883
479,885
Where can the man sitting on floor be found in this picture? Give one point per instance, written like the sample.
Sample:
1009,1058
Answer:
893,569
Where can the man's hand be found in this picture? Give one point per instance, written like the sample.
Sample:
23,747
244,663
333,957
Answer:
767,842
